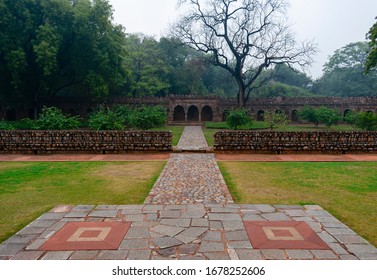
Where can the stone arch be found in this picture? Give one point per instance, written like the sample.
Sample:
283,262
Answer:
72,111
89,111
11,115
260,116
207,114
179,114
346,112
193,114
295,116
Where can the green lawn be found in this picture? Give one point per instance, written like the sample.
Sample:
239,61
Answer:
27,190
347,190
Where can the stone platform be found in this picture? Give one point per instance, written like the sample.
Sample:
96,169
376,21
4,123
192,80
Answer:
187,232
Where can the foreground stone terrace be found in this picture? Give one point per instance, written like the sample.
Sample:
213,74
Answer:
186,232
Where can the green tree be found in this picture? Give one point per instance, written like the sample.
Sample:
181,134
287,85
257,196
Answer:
148,66
60,47
344,73
276,119
237,118
351,118
328,116
310,114
284,74
371,61
243,37
366,121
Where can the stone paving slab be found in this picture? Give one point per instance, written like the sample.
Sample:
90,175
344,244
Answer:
193,238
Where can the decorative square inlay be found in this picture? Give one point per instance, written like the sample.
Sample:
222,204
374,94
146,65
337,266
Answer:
90,234
87,236
283,235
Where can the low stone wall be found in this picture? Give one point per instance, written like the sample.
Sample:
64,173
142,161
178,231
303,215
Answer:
296,142
101,142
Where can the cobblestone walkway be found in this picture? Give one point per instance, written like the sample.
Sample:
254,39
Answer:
192,139
190,179
187,232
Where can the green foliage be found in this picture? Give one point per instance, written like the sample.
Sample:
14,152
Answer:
6,126
278,89
105,119
276,119
366,121
149,117
328,116
124,113
324,115
309,114
148,66
371,62
237,118
350,118
344,73
122,116
60,47
52,118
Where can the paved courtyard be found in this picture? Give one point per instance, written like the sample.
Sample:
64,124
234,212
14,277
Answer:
188,215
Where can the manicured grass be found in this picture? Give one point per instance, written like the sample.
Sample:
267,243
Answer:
27,190
176,130
347,190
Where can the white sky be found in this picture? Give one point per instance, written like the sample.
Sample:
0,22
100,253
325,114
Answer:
331,23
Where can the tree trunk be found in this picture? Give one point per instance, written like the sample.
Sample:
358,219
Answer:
241,93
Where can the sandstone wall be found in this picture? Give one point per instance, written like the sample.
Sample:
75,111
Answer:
296,142
101,142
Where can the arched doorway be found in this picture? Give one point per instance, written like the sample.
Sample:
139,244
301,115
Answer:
346,112
11,115
179,114
193,114
207,114
260,116
295,116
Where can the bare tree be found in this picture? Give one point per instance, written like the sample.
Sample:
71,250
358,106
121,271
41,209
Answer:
245,37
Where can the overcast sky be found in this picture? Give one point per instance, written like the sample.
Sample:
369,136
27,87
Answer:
331,23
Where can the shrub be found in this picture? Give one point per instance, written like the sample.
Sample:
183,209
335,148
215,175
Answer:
237,118
53,118
323,115
366,121
105,119
350,118
310,114
124,113
6,126
149,117
328,116
276,120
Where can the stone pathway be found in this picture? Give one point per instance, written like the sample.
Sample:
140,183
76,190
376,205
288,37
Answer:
188,232
188,215
192,139
190,179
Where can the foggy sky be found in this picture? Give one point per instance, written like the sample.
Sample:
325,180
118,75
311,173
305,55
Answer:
331,23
